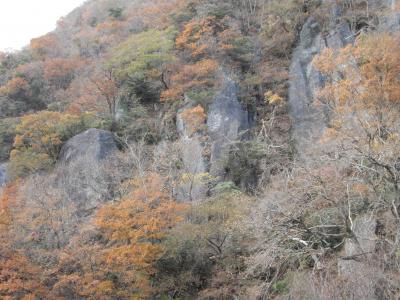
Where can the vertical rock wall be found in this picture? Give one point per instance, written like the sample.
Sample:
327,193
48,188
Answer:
226,120
194,165
309,120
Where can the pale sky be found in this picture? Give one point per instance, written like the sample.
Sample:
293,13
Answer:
22,20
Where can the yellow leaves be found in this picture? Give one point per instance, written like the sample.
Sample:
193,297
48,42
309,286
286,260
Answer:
105,287
52,139
377,145
273,98
197,178
39,139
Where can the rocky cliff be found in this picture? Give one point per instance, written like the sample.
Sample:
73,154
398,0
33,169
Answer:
308,119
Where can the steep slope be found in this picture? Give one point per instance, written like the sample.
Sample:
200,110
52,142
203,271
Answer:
186,149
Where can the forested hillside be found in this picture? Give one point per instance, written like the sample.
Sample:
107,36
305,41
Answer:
203,149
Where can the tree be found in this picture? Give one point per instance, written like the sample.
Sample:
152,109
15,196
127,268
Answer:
140,62
59,72
39,139
19,277
210,236
108,89
115,13
44,46
135,227
362,92
198,76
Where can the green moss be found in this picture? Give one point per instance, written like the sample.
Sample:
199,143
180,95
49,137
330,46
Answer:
281,286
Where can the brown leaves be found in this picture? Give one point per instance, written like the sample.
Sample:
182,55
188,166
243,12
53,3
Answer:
18,276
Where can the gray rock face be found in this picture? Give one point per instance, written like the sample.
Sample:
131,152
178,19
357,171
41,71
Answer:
391,21
226,119
191,151
85,169
3,175
305,80
357,266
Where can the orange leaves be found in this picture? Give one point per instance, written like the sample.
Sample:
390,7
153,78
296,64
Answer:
60,71
18,276
156,13
325,62
106,88
194,118
44,45
198,75
7,201
366,73
195,36
136,225
189,35
15,86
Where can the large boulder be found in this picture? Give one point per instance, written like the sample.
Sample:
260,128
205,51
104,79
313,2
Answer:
94,143
85,169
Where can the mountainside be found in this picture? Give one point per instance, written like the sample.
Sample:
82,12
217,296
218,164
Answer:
203,149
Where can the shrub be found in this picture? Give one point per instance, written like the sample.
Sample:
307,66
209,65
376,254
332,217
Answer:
7,135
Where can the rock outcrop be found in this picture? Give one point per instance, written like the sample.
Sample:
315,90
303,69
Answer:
308,120
194,165
357,264
3,174
85,168
226,120
391,21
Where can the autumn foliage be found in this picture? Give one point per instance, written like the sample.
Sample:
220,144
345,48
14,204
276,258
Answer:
39,140
43,46
195,76
194,118
135,227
